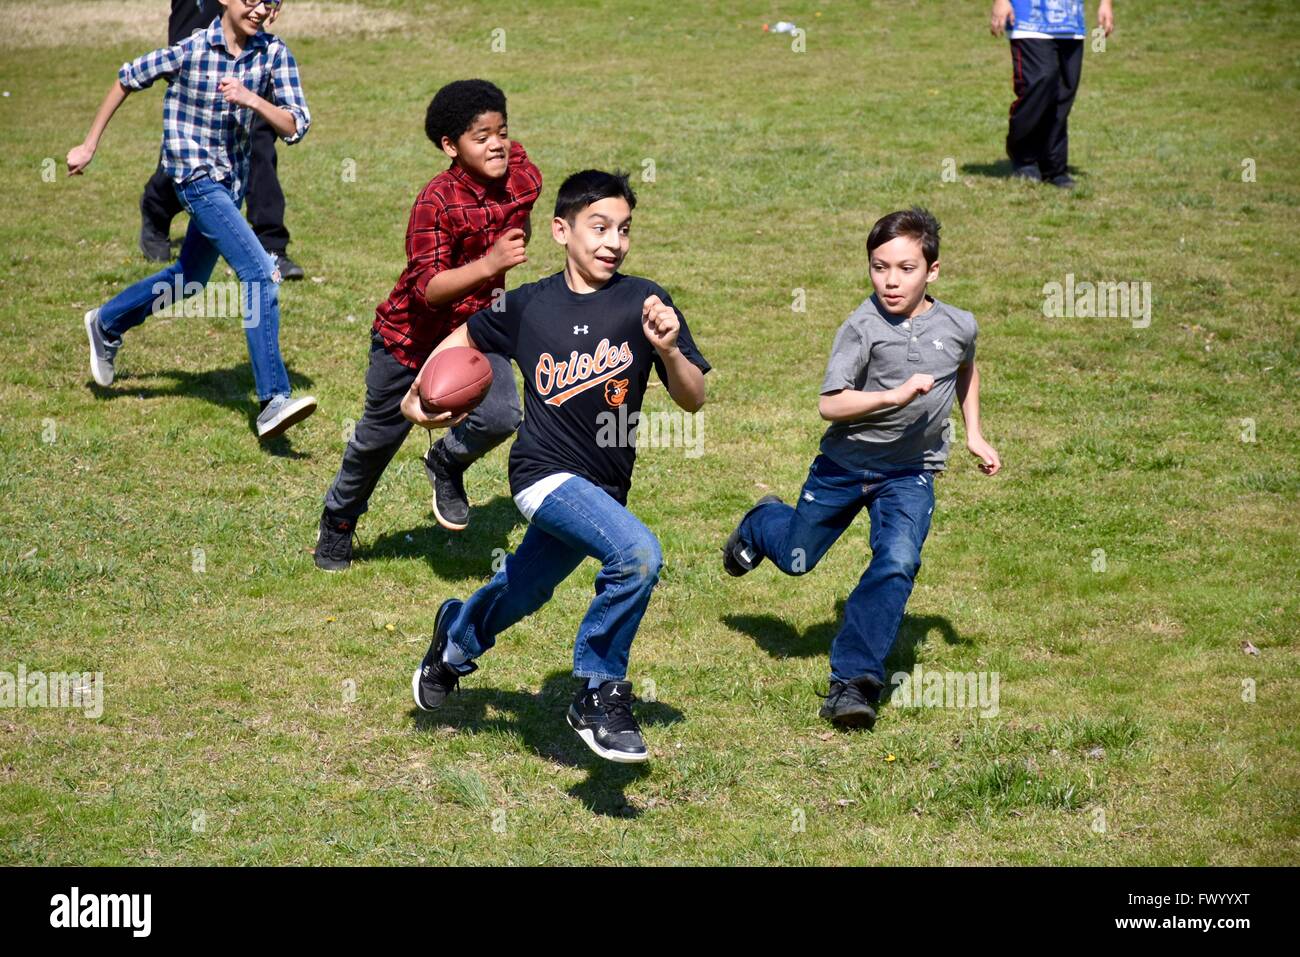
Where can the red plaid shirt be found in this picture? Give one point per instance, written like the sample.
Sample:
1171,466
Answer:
455,220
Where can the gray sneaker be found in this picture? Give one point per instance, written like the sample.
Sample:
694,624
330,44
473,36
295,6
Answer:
281,412
102,350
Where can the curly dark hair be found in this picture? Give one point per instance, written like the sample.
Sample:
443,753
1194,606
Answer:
455,107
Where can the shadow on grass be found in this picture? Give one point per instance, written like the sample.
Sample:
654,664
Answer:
466,554
539,721
1001,169
231,388
780,639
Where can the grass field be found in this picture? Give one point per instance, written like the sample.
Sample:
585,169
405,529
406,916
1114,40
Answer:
258,710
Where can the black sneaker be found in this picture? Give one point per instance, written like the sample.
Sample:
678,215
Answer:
1062,181
334,542
1027,171
447,476
154,242
435,679
852,703
603,719
737,557
289,270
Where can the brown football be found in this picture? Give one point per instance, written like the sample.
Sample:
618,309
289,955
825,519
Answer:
454,381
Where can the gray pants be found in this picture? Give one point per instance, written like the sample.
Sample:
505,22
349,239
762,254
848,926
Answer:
383,428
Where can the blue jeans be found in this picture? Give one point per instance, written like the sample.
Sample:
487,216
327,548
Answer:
795,539
576,520
216,228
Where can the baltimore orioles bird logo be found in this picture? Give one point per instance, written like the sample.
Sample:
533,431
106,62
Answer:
615,391
582,371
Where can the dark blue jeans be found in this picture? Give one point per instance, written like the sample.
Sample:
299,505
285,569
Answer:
795,539
577,520
216,229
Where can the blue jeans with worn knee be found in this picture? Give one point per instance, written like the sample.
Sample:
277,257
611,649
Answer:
796,538
216,228
577,520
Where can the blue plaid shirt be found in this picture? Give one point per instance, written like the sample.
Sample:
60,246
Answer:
202,133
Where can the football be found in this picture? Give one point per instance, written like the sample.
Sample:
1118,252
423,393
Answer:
454,381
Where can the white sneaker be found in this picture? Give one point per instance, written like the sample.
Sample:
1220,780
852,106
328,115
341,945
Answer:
282,412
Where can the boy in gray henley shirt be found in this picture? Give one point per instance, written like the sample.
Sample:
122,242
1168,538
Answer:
895,368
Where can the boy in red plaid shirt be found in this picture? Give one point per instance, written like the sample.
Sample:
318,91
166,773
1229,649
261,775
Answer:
468,227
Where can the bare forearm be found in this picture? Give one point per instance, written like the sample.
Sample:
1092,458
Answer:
114,98
685,380
968,395
849,404
281,120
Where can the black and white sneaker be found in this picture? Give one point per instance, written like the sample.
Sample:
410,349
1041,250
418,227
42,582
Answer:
852,703
103,351
334,542
603,719
435,679
737,557
447,476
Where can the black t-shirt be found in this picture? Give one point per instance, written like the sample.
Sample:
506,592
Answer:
585,362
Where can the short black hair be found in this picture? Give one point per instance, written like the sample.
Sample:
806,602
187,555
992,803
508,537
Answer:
591,186
915,223
457,105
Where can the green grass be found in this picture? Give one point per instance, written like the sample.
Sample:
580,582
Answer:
270,702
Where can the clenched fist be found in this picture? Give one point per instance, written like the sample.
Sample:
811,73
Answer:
919,384
659,323
507,252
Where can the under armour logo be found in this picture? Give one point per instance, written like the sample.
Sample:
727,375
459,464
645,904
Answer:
578,329
938,344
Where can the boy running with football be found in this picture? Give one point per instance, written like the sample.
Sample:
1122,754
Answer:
585,339
895,367
467,228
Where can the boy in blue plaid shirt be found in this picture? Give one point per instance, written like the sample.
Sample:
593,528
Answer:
218,79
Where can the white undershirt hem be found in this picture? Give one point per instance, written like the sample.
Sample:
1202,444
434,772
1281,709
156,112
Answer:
530,499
